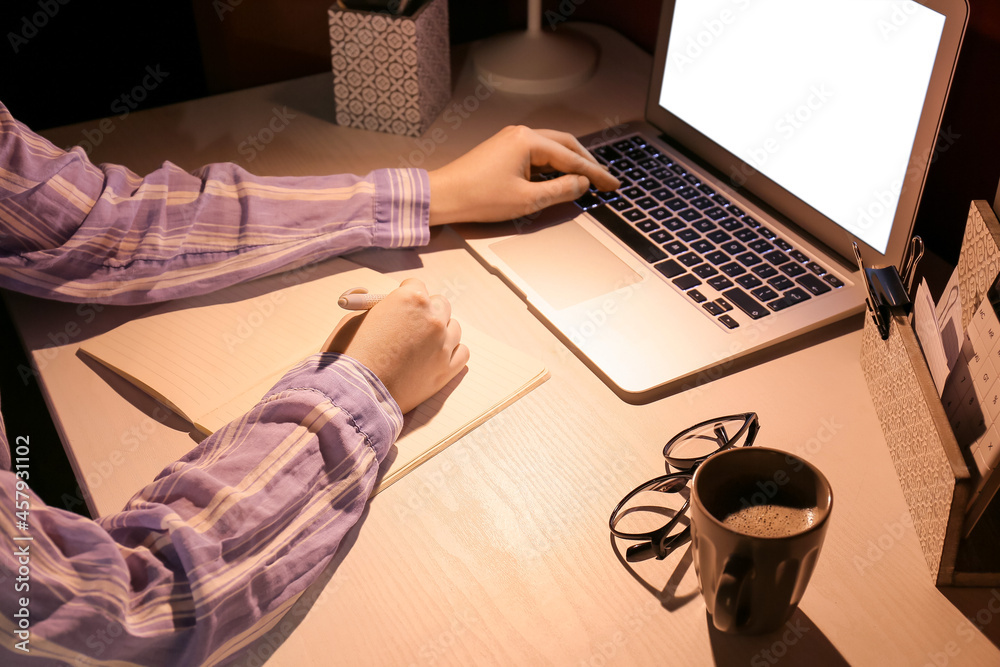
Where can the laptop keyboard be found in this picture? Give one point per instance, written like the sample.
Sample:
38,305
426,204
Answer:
711,250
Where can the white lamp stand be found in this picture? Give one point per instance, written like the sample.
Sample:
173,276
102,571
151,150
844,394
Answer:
535,62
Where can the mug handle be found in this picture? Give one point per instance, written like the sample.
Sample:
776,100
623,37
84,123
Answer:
732,594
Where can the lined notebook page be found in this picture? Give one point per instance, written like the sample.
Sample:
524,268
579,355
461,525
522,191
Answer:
211,358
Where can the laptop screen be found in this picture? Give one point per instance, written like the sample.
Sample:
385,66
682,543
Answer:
823,98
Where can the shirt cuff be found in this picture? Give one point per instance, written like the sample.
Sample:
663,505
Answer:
353,388
402,208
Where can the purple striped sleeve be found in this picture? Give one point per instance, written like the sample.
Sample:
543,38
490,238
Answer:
219,546
73,231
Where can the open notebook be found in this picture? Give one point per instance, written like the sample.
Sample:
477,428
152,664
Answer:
211,358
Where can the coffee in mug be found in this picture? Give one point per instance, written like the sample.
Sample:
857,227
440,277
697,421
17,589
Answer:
758,519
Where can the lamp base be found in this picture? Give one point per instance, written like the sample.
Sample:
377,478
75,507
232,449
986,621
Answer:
536,62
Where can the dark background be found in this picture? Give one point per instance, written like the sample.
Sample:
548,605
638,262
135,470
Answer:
67,61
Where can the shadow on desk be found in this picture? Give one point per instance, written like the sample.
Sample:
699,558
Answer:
318,595
799,639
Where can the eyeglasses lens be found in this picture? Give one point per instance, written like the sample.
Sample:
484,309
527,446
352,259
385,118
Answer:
654,507
706,440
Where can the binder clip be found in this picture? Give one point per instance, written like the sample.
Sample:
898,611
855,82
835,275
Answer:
887,294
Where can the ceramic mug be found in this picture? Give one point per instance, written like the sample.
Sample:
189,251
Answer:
758,519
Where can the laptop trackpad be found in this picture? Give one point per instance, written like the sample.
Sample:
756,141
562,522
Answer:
565,265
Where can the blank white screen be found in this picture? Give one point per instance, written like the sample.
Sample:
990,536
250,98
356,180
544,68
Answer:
821,97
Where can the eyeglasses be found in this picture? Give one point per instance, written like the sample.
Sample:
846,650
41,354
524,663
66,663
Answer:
641,513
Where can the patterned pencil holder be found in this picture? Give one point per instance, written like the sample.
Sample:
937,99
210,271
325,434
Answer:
390,73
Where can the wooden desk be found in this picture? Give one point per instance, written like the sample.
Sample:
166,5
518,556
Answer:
497,550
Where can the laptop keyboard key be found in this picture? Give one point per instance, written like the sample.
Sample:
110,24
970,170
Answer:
717,257
697,296
669,268
712,308
702,247
748,259
799,256
815,285
792,270
718,236
661,236
705,270
704,226
765,271
588,201
732,269
781,283
720,283
647,225
686,281
749,305
728,322
690,259
629,235
764,293
776,257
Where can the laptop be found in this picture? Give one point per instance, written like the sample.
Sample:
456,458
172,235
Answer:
776,135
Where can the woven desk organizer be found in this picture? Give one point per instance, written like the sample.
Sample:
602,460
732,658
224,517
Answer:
932,470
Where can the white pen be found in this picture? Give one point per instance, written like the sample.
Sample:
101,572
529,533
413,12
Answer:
358,298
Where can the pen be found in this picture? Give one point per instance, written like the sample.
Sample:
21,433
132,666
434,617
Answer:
358,298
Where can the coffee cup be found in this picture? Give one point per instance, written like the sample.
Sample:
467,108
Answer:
758,519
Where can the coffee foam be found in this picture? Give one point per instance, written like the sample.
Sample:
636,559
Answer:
771,520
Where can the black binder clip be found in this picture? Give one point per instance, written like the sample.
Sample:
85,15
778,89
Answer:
887,296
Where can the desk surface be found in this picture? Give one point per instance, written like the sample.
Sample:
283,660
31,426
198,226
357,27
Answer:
497,551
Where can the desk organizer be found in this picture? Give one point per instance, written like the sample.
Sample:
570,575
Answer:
930,465
390,73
